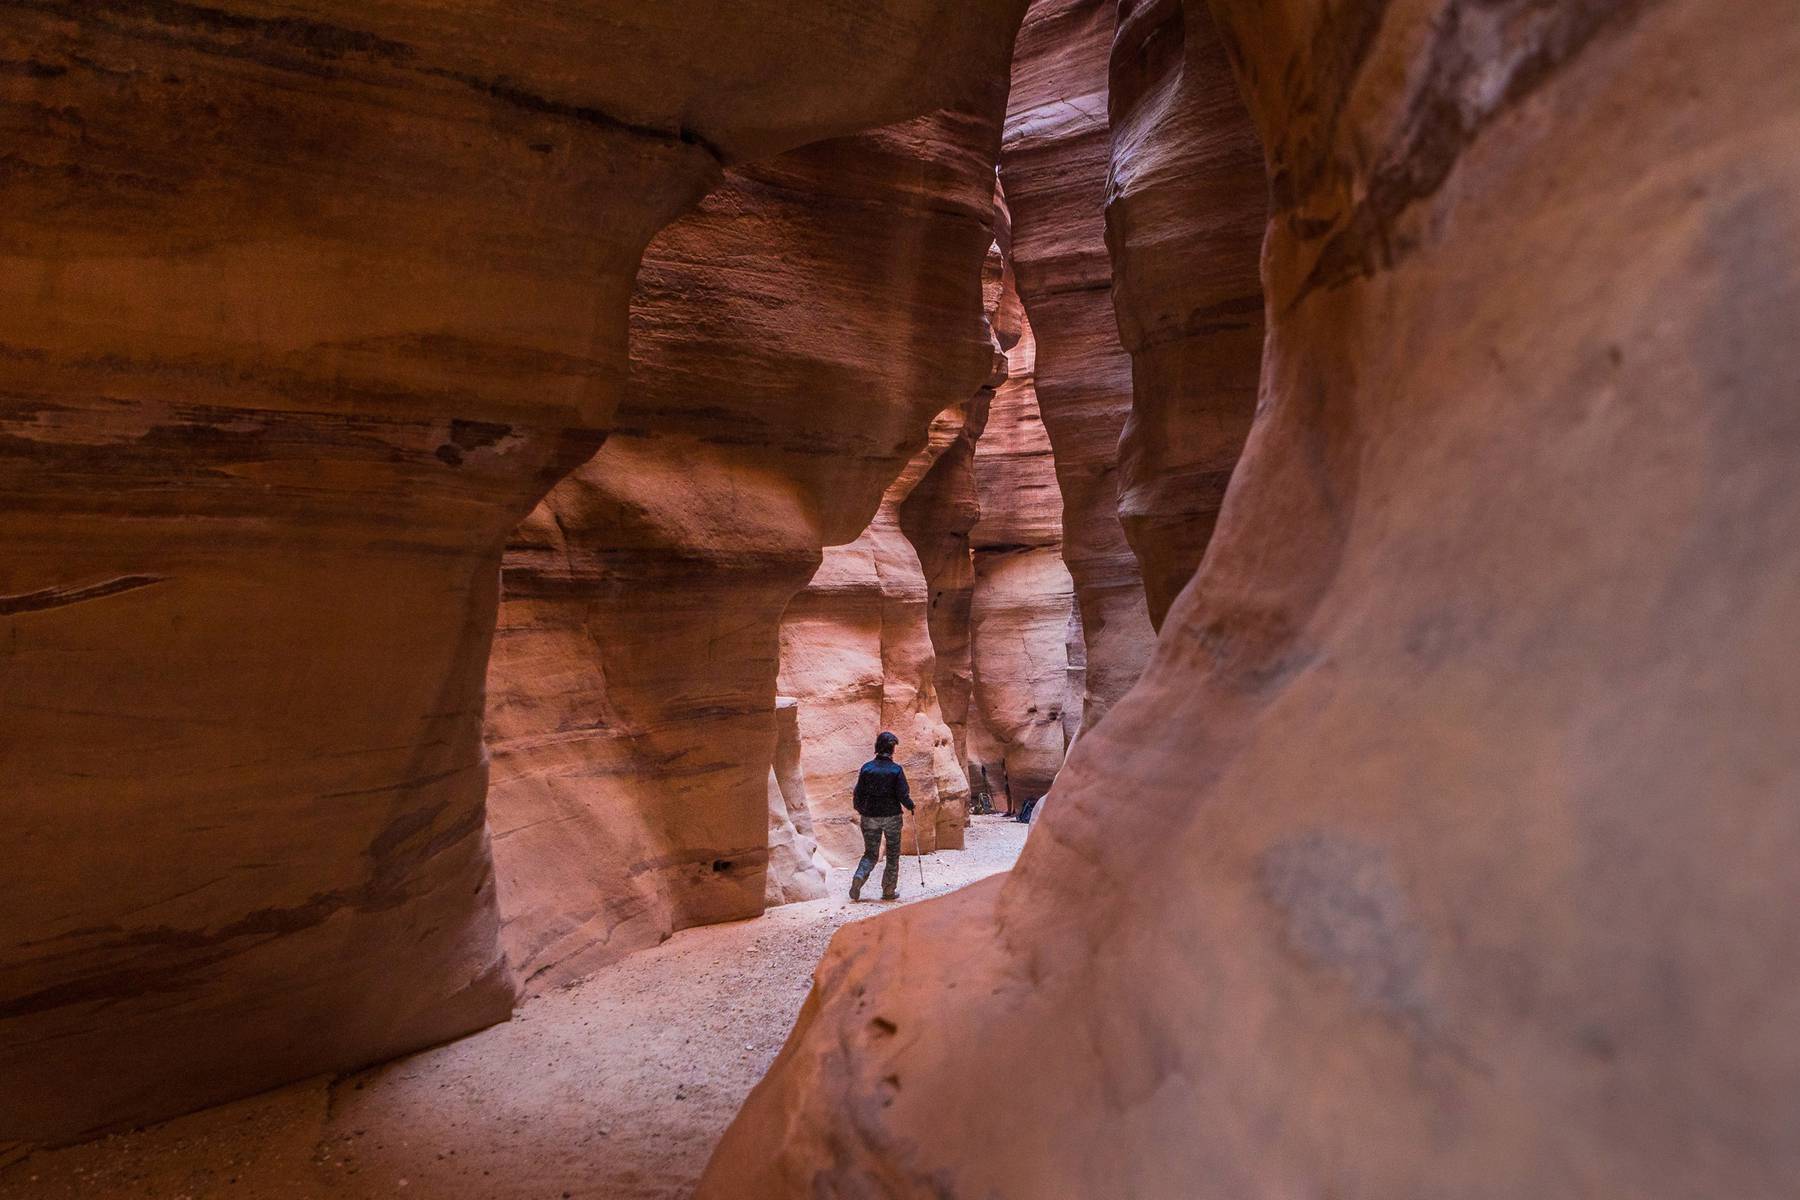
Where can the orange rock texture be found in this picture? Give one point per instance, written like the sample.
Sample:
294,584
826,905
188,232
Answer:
1054,166
303,307
1026,702
936,517
955,590
939,512
1445,847
856,651
1185,210
635,667
796,864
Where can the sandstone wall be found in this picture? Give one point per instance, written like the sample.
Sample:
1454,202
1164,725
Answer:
634,672
1054,166
1445,847
856,651
1185,209
302,312
796,864
1023,600
943,506
936,518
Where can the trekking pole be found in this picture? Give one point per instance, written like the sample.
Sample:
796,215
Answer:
919,847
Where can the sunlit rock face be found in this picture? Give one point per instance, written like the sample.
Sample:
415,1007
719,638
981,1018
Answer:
628,742
1185,210
939,511
1054,167
936,518
302,312
796,865
1445,847
856,652
1023,598
792,338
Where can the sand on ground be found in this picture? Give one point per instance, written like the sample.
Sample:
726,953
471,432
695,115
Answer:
613,1088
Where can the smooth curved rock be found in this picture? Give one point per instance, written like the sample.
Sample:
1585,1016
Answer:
303,311
941,509
936,518
631,695
1185,210
856,648
1054,165
1023,601
1446,846
628,737
796,865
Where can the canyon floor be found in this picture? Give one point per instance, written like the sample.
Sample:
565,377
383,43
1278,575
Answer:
613,1088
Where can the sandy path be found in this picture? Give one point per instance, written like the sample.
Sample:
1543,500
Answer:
614,1088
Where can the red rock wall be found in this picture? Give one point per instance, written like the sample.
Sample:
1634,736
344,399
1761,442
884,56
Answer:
635,668
936,517
986,519
941,509
856,651
1023,599
796,864
1054,166
1445,847
1186,205
301,313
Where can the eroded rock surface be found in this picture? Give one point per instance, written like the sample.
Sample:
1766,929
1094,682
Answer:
1054,167
1186,205
1023,599
635,668
941,509
936,518
302,311
856,649
796,865
1445,847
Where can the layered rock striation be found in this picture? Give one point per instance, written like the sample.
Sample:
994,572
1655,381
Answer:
796,865
301,313
1054,166
856,650
1186,205
942,508
1445,845
936,518
634,674
1023,600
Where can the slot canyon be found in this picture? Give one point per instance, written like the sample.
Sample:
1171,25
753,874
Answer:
1312,485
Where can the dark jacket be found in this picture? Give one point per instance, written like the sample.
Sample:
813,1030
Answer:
881,788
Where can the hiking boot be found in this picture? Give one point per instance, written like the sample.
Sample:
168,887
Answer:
856,883
890,895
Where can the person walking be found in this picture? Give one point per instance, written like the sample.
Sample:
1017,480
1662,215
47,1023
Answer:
881,793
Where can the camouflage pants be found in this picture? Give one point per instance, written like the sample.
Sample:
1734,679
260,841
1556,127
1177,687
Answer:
873,830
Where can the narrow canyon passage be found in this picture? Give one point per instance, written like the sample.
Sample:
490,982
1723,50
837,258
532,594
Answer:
479,480
613,1088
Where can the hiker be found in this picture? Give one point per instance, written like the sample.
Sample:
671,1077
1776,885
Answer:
881,793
